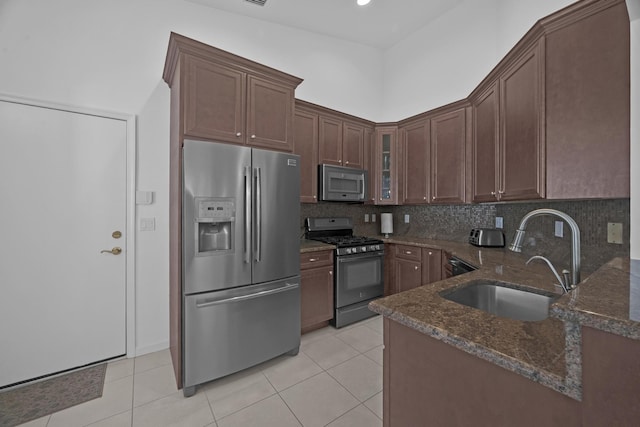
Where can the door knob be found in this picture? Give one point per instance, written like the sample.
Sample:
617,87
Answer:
115,251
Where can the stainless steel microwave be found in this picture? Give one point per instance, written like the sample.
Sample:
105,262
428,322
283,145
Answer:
342,184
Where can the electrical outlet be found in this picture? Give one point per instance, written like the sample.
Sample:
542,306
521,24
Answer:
366,217
406,218
559,231
373,217
499,222
614,232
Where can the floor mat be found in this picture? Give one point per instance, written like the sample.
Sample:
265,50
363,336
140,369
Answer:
35,400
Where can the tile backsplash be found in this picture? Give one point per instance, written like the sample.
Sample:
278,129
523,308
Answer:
453,222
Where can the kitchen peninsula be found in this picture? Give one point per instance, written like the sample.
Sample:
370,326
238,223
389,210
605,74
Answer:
449,364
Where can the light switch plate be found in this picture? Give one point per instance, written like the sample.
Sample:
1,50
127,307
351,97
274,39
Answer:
366,217
614,232
373,217
406,218
147,224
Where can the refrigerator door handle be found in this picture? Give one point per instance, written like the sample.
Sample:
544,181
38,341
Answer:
247,214
211,302
258,223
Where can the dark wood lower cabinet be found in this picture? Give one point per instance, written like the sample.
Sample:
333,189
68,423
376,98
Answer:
411,266
428,382
316,290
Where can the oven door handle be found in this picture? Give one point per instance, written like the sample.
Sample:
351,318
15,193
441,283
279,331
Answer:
348,258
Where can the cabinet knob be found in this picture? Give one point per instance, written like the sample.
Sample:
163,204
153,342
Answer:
239,134
407,252
313,259
339,160
500,192
430,253
347,162
424,198
253,137
433,197
331,273
493,193
415,267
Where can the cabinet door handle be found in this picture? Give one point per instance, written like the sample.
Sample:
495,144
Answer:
313,259
493,193
407,252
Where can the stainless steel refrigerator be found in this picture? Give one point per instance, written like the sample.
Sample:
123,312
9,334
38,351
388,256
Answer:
241,251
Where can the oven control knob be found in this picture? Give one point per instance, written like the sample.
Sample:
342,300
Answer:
348,250
364,249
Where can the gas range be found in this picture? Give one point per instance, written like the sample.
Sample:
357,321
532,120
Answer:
339,232
358,267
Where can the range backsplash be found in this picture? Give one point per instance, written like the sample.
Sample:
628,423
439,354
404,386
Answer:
453,222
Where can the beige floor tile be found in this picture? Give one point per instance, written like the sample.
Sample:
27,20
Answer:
270,412
375,404
329,351
286,371
362,338
359,416
376,354
120,420
317,334
360,375
40,422
116,398
237,391
318,400
153,384
174,411
152,360
375,323
119,369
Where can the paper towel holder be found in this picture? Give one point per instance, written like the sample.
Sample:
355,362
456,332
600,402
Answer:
386,224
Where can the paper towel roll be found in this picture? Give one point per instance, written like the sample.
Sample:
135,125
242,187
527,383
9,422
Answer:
386,224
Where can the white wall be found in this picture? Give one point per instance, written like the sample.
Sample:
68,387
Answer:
633,7
444,61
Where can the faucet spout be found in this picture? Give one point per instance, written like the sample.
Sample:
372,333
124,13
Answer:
565,286
518,238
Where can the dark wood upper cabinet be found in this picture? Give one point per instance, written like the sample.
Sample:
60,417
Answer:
269,114
352,145
448,157
415,149
522,157
386,165
330,141
226,98
214,101
305,144
587,105
485,155
369,163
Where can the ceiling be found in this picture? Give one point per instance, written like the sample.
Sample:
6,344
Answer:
380,24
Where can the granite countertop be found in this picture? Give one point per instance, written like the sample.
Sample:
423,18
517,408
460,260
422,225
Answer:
545,351
314,246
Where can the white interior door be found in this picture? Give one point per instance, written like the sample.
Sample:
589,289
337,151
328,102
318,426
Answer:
62,197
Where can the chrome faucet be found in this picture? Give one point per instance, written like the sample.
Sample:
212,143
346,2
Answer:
516,244
564,281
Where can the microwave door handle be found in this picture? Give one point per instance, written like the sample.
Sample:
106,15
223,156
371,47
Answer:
247,214
258,207
362,195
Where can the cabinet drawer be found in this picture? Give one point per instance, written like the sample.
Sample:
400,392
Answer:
409,252
316,259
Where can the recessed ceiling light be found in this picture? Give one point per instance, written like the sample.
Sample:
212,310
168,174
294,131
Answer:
362,2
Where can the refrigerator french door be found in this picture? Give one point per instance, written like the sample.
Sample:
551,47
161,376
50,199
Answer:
241,273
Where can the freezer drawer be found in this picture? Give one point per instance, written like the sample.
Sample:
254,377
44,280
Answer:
228,331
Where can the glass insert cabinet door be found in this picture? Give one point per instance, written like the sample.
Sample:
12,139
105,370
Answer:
386,165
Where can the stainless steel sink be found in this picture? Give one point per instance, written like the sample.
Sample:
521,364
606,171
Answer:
500,299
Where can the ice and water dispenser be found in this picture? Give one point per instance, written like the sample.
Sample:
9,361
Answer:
215,219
